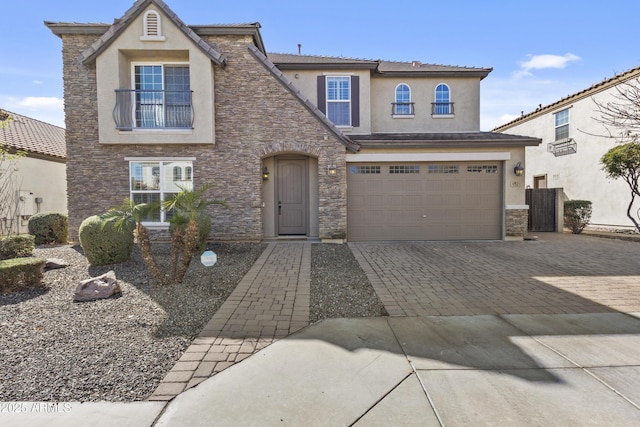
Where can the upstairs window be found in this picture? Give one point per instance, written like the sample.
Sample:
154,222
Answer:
442,104
339,99
162,96
403,105
152,27
562,124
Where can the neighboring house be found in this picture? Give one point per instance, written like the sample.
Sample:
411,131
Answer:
40,178
573,142
322,147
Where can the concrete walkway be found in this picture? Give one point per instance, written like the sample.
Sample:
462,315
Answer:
270,302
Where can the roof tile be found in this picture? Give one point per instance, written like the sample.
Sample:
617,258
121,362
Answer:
31,135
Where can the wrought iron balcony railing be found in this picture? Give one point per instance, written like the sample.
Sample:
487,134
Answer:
402,108
441,108
153,109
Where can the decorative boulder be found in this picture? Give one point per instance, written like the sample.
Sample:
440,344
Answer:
55,263
100,287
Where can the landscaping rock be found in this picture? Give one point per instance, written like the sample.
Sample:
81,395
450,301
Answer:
96,288
55,263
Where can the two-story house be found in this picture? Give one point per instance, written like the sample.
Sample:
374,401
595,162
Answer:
322,147
573,142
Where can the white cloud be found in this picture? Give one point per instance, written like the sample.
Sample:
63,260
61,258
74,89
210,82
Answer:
48,109
548,61
541,62
37,103
38,82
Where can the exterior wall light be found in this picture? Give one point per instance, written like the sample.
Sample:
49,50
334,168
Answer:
332,170
519,169
265,174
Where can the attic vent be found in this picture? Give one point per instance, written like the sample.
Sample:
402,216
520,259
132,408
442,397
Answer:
152,26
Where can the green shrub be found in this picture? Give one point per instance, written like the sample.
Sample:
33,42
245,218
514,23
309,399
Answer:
51,227
17,246
19,273
577,215
103,243
204,229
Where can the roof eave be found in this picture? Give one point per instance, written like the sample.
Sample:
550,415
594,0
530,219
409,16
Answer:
446,144
431,73
325,66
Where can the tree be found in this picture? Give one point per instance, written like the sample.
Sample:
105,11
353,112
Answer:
9,184
621,115
623,161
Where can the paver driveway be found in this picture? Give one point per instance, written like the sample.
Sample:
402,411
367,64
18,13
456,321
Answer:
558,273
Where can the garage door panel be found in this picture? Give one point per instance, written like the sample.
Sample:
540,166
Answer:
425,201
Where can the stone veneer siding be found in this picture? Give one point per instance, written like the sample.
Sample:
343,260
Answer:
255,117
516,222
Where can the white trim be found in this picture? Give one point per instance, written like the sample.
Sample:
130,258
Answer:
159,159
442,116
427,157
514,207
403,116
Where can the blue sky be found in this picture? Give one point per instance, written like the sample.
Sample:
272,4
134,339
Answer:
540,51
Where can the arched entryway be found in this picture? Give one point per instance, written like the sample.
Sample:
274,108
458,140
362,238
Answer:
290,196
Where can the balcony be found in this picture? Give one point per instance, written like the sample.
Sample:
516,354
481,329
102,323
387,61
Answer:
402,109
562,147
153,109
442,108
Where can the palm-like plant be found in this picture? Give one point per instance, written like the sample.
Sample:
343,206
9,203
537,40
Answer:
187,207
130,213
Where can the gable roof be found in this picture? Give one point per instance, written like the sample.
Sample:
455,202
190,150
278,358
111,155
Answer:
33,136
590,91
287,61
134,11
288,84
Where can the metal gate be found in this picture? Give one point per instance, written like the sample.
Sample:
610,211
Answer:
542,209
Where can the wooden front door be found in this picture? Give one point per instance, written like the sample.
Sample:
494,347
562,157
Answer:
292,198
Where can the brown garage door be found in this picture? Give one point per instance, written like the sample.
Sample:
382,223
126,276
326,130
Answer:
424,201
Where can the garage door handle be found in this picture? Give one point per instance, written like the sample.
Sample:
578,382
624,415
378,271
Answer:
279,207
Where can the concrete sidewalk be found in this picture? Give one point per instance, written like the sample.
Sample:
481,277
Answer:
513,370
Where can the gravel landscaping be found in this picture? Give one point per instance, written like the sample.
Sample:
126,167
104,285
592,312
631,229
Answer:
119,349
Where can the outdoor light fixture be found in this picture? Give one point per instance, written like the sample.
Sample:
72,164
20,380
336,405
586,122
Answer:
331,170
518,170
265,174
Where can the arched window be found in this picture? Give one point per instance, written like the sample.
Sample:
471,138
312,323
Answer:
403,105
188,171
443,104
152,26
177,173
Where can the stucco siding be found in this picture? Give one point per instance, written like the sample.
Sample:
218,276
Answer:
580,174
464,95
